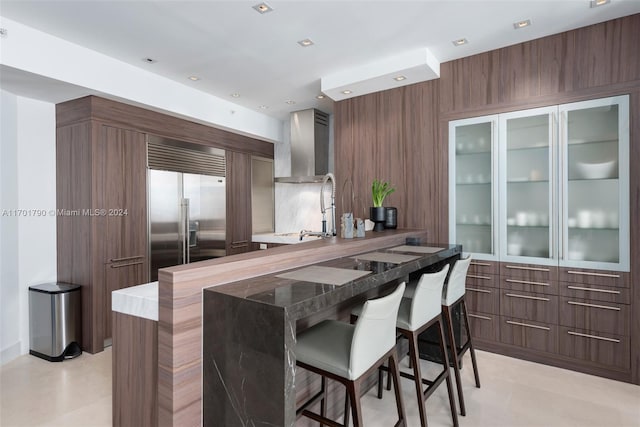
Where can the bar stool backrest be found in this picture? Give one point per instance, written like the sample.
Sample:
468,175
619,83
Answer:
375,331
425,304
455,288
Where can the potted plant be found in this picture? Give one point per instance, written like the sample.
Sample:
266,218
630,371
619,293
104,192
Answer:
379,190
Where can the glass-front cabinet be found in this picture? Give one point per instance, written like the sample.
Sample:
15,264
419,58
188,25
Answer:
472,185
595,183
527,184
543,186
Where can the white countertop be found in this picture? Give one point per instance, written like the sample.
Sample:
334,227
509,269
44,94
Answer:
282,238
139,301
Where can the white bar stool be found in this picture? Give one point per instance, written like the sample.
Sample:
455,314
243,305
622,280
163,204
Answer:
452,296
349,353
417,313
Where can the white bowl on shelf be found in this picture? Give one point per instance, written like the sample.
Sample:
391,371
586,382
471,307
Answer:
601,170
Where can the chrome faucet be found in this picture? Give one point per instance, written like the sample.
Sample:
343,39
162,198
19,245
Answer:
324,209
326,178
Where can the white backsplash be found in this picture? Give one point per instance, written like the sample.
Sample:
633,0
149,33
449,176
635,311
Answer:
298,207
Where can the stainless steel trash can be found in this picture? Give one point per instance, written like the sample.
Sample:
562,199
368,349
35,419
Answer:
55,328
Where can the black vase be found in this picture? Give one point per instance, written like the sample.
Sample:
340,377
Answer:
378,215
391,218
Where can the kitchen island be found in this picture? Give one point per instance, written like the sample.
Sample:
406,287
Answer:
250,326
173,393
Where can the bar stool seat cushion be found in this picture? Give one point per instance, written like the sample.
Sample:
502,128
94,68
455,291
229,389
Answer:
327,346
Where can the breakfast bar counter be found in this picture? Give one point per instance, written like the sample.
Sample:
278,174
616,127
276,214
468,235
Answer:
249,326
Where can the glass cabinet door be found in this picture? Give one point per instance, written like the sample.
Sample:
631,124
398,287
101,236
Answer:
595,183
527,182
472,192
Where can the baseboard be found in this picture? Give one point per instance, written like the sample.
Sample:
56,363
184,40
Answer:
10,353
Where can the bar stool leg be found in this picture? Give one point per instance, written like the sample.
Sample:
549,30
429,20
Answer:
417,375
353,389
454,352
393,367
473,351
347,408
445,358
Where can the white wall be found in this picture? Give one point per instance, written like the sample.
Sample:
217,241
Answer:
9,294
29,239
39,53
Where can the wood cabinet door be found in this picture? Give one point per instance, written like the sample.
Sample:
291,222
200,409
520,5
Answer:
121,195
238,202
119,275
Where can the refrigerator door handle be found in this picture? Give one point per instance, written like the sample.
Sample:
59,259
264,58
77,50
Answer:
185,230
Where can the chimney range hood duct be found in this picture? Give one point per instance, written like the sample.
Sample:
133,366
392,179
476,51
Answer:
309,147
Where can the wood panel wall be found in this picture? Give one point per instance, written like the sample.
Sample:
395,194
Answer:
401,135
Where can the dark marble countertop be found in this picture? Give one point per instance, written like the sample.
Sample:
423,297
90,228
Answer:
303,298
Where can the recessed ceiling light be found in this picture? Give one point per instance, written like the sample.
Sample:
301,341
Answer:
290,101
194,78
460,42
596,3
521,24
149,60
399,78
263,8
235,95
321,96
305,43
346,91
263,107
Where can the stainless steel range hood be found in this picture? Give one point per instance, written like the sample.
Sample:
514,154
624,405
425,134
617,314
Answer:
309,147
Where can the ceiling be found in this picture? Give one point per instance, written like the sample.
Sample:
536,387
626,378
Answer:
233,49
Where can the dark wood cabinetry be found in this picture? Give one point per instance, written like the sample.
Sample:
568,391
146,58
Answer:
573,318
483,299
238,203
101,161
101,198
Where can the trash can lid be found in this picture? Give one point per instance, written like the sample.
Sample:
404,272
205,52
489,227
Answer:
54,288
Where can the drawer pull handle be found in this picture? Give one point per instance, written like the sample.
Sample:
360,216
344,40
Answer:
518,267
128,258
595,337
544,328
527,297
477,316
478,277
482,264
606,307
484,291
127,264
526,282
604,291
585,273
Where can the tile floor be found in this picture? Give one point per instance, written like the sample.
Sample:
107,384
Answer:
77,392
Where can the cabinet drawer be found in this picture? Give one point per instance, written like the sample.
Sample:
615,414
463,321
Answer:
529,306
531,272
483,267
482,280
597,347
594,315
484,326
529,334
595,292
481,299
594,277
526,285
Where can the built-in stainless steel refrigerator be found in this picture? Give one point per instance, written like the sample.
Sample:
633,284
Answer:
187,218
